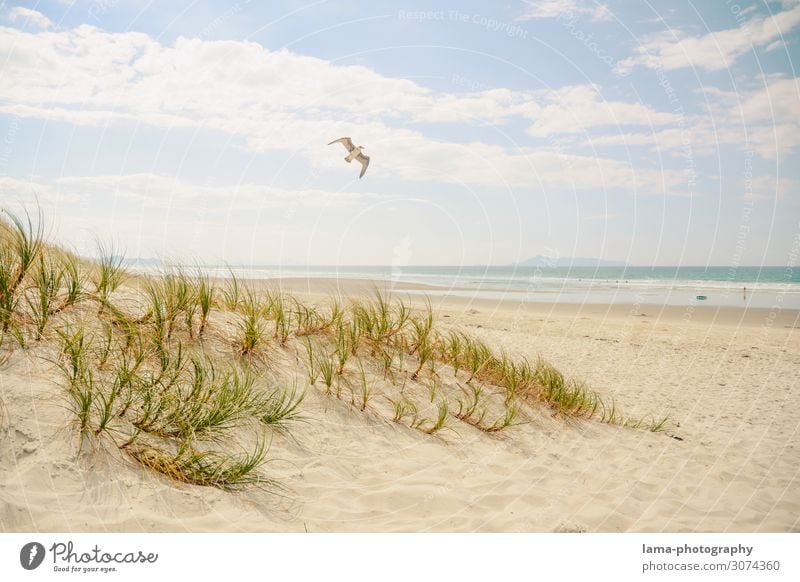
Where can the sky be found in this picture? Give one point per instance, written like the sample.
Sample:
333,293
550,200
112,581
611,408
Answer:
657,133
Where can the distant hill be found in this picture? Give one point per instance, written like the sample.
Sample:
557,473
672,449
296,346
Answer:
542,261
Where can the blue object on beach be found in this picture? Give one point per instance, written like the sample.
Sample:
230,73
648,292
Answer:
702,297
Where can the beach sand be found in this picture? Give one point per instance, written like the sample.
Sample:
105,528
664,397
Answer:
729,459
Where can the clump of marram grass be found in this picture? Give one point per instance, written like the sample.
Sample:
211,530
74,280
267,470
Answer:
308,319
37,280
404,408
472,411
250,323
321,364
364,389
335,316
73,360
387,356
77,370
73,280
110,273
26,241
170,297
451,349
313,371
279,310
46,280
440,422
468,408
477,355
173,402
232,291
378,321
204,468
157,315
326,364
212,402
568,396
204,295
21,244
282,408
180,300
8,297
422,344
343,347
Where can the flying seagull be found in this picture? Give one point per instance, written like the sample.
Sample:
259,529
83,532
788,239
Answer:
354,153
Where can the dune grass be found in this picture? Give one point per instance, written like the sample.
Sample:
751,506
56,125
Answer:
46,279
21,244
473,411
74,280
326,365
204,468
441,419
176,398
109,273
282,409
251,324
148,404
231,292
205,295
365,389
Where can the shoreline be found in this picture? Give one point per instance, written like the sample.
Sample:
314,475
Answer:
753,317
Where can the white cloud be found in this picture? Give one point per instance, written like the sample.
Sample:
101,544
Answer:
557,8
151,214
159,191
279,100
577,109
229,84
771,188
31,16
766,118
714,51
763,120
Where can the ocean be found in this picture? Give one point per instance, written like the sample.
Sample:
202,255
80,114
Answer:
767,287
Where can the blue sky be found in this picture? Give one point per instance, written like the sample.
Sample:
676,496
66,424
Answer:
655,133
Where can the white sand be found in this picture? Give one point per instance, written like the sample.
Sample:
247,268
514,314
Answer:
731,387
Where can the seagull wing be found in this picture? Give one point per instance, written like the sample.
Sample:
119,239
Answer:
346,142
364,161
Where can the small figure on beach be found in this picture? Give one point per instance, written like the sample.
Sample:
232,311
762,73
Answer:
354,153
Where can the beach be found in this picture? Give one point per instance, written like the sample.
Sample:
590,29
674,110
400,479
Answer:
726,460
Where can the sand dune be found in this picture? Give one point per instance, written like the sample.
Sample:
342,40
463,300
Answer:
729,385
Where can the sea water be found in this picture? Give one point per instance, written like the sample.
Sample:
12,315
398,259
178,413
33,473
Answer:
768,287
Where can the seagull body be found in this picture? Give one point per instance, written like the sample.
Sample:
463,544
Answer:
354,152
